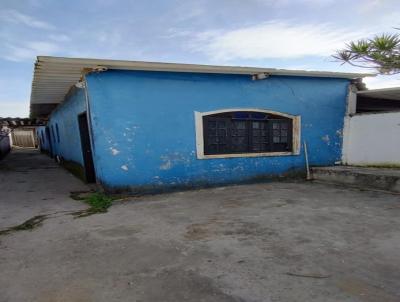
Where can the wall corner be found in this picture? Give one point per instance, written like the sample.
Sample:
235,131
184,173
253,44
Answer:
351,102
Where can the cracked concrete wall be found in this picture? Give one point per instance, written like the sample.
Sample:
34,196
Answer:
143,124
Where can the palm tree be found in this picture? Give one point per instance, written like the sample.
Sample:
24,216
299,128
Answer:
381,53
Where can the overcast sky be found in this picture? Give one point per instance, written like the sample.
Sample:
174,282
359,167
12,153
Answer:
293,34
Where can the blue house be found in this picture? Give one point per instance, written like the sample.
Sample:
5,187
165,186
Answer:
144,126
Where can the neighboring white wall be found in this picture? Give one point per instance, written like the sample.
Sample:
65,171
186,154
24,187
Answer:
24,137
372,139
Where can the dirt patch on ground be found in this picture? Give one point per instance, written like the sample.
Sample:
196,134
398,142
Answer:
233,203
197,232
366,292
241,230
244,229
202,231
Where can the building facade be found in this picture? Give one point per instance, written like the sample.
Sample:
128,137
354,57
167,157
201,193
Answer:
143,130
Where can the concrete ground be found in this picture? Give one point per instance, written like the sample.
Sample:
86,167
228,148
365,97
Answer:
281,241
32,184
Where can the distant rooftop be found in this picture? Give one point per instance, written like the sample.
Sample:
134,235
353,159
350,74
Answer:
378,100
14,122
54,76
384,93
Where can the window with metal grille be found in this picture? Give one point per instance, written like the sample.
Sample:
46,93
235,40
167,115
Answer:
246,132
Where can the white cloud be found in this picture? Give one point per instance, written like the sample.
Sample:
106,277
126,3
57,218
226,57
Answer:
14,16
60,38
282,3
382,81
29,51
275,39
176,33
14,109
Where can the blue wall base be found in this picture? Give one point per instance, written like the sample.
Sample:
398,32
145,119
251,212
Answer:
290,175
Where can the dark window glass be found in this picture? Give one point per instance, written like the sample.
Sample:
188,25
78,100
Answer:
258,116
259,136
239,136
217,135
281,134
246,132
240,115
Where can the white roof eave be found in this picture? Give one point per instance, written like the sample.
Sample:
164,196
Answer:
54,76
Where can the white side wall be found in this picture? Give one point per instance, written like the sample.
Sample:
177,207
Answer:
372,139
23,137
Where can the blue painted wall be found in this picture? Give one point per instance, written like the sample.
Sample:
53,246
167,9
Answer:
43,141
144,130
67,142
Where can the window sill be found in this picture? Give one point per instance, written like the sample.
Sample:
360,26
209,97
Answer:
267,154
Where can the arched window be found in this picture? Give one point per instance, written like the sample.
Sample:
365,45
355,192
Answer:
246,132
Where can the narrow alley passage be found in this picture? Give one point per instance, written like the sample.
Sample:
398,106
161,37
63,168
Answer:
32,184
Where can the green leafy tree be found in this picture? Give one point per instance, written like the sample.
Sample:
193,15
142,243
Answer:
381,53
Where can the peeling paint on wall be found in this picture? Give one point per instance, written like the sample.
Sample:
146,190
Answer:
114,151
326,139
166,165
155,129
173,159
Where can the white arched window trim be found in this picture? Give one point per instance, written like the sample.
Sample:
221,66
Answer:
296,120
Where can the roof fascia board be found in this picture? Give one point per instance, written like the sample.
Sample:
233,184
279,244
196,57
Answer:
177,67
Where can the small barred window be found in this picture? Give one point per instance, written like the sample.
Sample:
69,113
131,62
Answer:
246,132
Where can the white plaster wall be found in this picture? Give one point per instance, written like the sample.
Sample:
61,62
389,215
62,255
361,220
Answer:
372,139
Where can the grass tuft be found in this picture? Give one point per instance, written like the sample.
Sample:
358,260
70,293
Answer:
98,202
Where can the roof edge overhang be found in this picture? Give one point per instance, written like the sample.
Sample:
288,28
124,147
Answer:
54,76
194,68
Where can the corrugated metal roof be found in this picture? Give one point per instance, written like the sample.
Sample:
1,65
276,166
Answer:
14,122
54,76
384,93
